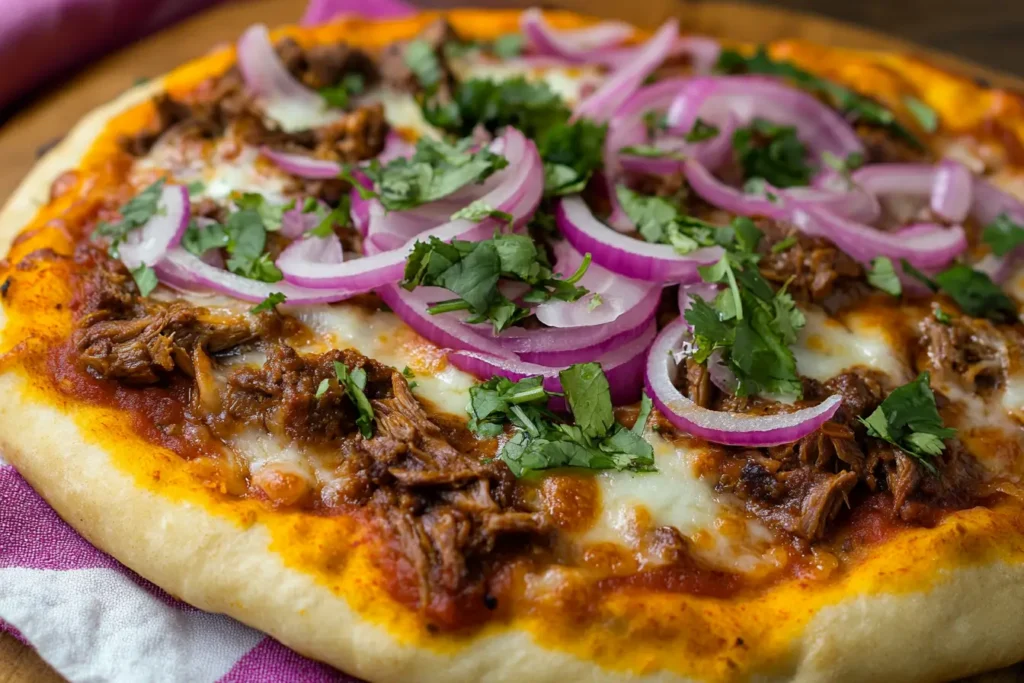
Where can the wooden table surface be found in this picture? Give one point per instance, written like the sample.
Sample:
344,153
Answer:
50,116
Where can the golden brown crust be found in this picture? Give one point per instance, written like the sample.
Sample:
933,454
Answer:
934,605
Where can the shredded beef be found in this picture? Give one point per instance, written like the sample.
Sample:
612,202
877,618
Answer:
443,509
802,487
884,147
817,271
225,99
123,336
972,353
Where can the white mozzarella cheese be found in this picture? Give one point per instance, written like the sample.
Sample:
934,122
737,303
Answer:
826,347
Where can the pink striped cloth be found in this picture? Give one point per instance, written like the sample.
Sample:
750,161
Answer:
88,616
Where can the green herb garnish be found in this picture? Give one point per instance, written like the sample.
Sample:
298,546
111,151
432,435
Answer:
472,270
701,131
145,278
1003,235
909,420
424,63
134,214
269,303
772,152
882,275
972,290
926,117
341,94
354,384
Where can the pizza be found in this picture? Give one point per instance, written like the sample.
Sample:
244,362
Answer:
491,345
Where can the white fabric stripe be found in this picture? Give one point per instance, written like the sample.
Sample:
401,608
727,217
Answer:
98,625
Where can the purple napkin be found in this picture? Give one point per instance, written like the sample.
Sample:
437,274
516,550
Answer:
88,616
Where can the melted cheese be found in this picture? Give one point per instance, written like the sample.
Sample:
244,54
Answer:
826,347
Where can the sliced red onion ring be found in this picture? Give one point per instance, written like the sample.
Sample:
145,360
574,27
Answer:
578,45
284,99
702,51
623,367
951,191
924,247
444,329
602,104
625,255
731,429
518,193
295,222
184,271
622,132
654,97
162,232
308,250
617,294
717,193
302,166
713,153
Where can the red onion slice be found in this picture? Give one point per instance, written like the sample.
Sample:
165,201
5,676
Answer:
925,247
295,222
625,255
654,97
184,271
717,193
445,329
579,45
731,429
311,249
162,232
284,99
951,191
617,294
623,367
624,81
302,166
702,51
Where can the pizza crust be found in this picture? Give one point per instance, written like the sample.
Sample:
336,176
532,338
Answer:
970,620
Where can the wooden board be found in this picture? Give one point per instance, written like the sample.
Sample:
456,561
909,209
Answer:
47,119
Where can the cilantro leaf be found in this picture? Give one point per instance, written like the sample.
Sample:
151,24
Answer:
659,221
478,210
354,382
435,170
134,214
909,419
926,117
424,63
200,239
1003,235
322,389
543,441
531,107
772,152
646,405
340,215
976,294
571,153
784,244
701,131
269,303
472,270
882,275
145,278
340,95
943,317
270,213
508,46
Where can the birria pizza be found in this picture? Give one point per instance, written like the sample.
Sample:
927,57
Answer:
523,347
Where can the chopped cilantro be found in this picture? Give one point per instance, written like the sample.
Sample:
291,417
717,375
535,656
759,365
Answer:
478,210
340,215
972,290
435,170
322,389
340,94
543,441
424,63
752,324
943,317
408,373
909,420
269,303
595,301
200,239
196,187
772,152
701,131
976,294
145,278
655,122
882,275
134,214
926,117
243,236
855,106
270,214
472,270
843,166
571,151
508,46
785,243
354,382
652,152
1003,235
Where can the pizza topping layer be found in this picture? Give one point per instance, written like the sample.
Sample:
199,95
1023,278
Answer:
670,331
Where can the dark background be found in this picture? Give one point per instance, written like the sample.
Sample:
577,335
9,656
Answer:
990,32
